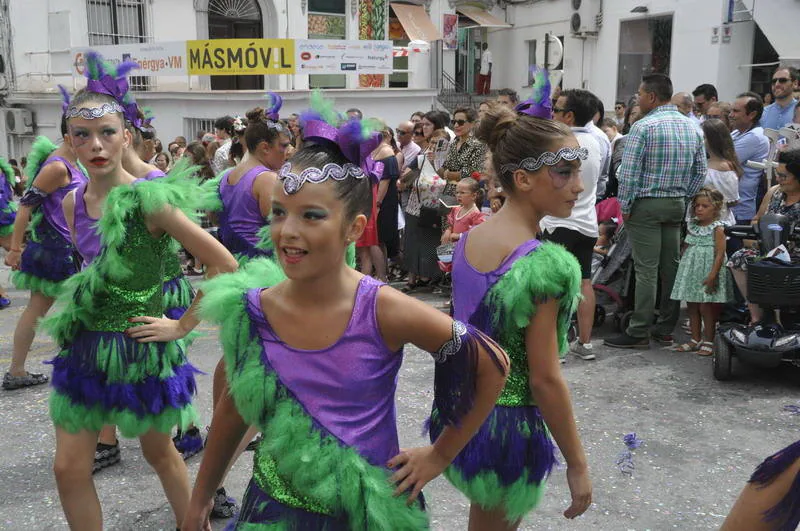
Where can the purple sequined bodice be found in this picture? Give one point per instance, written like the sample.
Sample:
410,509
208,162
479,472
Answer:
85,236
51,206
349,387
470,285
242,215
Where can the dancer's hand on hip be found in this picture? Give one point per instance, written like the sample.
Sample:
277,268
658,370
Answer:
415,468
156,329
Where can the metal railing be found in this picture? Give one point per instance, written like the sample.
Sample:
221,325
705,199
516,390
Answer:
452,95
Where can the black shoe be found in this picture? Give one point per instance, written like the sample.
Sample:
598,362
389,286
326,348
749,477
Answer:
665,339
626,341
224,506
105,455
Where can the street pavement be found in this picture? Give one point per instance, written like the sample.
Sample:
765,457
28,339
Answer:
702,439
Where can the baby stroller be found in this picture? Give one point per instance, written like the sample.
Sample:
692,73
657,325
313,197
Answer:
613,283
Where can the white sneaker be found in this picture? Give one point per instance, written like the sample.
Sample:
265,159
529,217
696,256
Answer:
562,360
584,351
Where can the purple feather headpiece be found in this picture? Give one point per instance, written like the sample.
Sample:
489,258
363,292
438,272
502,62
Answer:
538,105
274,107
65,99
106,78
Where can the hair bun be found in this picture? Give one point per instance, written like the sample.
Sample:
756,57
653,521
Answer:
256,114
495,125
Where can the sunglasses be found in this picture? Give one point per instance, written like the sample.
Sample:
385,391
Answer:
559,110
418,133
618,107
780,80
401,132
459,122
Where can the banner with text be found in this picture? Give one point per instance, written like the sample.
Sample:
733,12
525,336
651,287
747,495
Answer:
153,58
336,57
236,57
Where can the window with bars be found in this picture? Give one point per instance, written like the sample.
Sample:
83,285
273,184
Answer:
192,126
119,22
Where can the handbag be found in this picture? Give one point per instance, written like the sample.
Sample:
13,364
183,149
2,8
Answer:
429,217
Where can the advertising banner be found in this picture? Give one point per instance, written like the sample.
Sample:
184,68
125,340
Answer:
153,58
450,31
336,57
232,57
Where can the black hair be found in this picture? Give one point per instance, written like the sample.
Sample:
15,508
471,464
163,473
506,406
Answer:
63,125
355,193
261,129
707,90
355,111
754,104
791,158
225,123
582,103
421,115
439,119
599,108
13,162
511,93
658,84
619,102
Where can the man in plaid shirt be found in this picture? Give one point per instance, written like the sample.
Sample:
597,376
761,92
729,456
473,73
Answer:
663,166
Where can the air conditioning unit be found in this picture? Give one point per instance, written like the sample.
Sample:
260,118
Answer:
586,17
18,121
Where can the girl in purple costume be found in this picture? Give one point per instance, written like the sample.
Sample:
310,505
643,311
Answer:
49,257
246,190
313,361
8,212
521,293
771,499
120,362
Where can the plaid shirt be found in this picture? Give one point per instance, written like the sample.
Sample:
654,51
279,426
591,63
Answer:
664,156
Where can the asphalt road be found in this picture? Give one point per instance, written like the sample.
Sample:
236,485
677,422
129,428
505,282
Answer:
702,439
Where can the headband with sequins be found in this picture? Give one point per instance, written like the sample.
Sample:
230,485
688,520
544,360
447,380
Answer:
548,158
92,113
293,182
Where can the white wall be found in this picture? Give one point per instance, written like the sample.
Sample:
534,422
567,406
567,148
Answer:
694,59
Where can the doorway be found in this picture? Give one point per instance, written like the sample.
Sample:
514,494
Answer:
235,20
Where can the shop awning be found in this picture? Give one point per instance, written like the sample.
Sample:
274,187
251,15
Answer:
416,22
481,17
779,26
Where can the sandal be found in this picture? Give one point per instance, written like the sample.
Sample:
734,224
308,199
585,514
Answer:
11,382
409,287
106,455
691,346
706,348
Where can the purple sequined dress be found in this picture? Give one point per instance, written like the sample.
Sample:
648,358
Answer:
49,256
85,235
240,219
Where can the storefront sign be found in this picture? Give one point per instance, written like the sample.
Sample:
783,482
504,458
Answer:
336,56
225,57
154,59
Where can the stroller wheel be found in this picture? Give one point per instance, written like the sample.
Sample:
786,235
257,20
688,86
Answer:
722,360
599,315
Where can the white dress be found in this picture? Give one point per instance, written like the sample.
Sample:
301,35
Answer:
727,183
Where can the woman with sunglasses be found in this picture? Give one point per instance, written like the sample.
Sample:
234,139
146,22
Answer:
466,154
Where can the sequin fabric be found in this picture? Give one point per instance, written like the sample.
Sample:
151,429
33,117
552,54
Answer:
265,473
517,391
136,294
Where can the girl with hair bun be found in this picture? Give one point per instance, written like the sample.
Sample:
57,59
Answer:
522,293
312,359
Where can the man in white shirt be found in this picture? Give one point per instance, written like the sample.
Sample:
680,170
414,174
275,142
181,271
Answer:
578,233
404,134
485,75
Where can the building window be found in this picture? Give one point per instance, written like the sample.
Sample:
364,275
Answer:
531,60
327,20
192,126
117,21
644,48
120,22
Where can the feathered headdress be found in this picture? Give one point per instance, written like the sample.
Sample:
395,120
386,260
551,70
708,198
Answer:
65,99
275,102
538,104
112,80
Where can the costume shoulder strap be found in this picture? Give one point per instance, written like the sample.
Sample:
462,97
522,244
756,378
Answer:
547,272
42,148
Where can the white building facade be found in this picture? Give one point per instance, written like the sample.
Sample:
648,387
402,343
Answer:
607,46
